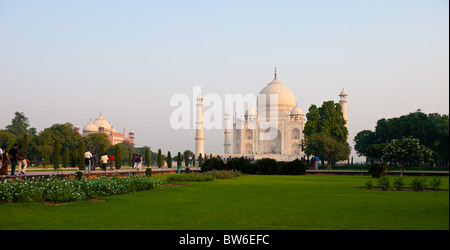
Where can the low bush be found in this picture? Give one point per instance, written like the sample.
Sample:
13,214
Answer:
189,177
377,170
265,166
418,184
399,184
148,172
56,190
435,183
384,183
223,174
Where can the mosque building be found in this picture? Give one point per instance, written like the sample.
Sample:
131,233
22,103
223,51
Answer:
246,137
101,125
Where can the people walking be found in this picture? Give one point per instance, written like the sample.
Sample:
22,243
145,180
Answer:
22,161
111,162
87,160
13,152
93,161
140,162
104,160
4,162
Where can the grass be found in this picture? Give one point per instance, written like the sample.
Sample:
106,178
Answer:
310,202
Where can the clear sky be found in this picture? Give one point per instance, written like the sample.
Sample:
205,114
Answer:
67,61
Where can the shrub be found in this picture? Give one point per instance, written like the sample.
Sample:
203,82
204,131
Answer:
148,172
399,184
377,170
78,175
212,163
223,174
369,184
384,183
295,167
187,170
418,184
435,183
266,166
189,177
55,190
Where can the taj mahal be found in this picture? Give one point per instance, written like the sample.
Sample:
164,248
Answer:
246,137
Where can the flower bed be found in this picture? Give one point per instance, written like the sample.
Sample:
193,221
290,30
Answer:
56,190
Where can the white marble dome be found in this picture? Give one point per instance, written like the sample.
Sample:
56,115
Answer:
102,122
286,99
296,111
90,128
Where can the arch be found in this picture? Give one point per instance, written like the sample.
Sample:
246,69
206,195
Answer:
248,148
295,134
248,134
295,148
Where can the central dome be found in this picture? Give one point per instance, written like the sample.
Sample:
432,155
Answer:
286,99
102,122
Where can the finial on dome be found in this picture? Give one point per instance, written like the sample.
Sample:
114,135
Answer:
275,73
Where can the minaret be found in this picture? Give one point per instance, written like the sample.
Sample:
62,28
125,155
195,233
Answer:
227,140
199,138
343,102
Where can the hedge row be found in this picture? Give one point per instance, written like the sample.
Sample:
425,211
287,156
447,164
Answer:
265,166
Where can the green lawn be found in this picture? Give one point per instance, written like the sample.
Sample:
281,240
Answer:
309,202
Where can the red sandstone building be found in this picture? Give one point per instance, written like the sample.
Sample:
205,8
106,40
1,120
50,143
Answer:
101,125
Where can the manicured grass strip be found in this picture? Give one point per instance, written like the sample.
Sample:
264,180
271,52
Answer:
251,202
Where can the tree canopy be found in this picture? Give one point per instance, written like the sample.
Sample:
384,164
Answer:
325,133
431,130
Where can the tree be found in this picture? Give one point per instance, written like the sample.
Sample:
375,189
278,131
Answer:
179,159
119,156
169,160
160,159
431,130
363,140
327,119
56,153
406,150
186,157
81,151
19,125
200,160
147,156
376,152
326,147
325,133
66,157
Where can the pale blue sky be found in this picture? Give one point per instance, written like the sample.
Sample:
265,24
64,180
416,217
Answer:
67,61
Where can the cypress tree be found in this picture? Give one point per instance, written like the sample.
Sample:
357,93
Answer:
81,150
169,160
160,159
119,156
147,156
66,157
56,153
130,159
186,158
179,159
200,160
74,160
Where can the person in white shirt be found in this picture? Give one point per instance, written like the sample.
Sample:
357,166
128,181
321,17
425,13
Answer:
104,160
87,160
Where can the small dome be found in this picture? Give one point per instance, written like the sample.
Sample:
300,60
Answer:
251,112
343,93
296,111
90,128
